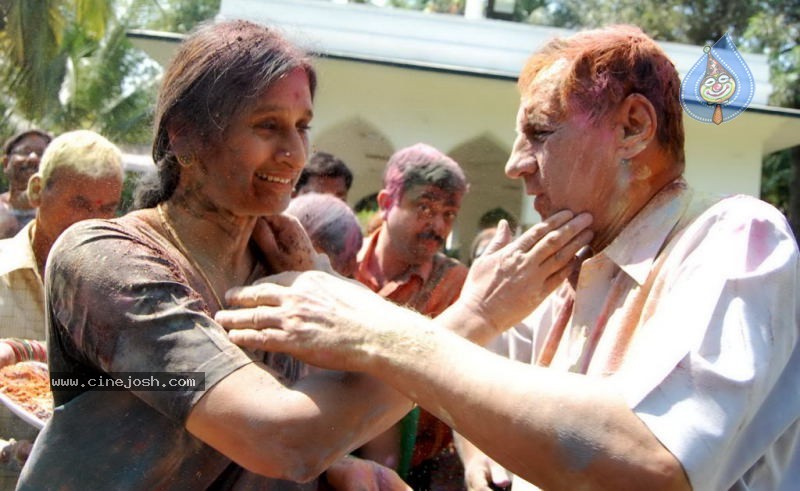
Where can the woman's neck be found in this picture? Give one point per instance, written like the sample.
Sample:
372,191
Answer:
216,242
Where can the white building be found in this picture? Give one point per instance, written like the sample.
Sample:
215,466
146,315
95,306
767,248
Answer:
391,78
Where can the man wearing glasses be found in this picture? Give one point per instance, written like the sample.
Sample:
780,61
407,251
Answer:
21,155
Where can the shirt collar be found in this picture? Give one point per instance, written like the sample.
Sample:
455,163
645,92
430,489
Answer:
635,249
17,251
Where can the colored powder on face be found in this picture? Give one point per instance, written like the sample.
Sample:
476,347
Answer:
422,164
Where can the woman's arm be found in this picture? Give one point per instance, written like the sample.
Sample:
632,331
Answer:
293,432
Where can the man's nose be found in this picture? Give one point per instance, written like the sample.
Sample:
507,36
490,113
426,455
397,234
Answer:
519,161
519,164
437,222
440,224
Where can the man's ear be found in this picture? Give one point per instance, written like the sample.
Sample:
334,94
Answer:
35,190
5,162
637,122
385,202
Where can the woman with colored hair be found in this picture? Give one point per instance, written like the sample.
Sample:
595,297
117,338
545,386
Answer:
149,391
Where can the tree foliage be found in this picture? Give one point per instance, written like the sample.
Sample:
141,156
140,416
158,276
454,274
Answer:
776,31
174,15
78,69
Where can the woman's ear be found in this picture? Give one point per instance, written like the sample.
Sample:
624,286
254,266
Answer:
177,132
34,190
638,122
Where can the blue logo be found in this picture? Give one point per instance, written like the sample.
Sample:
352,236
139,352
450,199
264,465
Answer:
719,86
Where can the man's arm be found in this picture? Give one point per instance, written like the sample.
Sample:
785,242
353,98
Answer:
554,429
293,432
560,431
8,223
557,430
566,431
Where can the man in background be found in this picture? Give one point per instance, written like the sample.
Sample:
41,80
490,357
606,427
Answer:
21,155
403,262
325,174
80,177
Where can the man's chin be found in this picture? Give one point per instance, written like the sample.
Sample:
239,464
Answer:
429,252
425,253
542,207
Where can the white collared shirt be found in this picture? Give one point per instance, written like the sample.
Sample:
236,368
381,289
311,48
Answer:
21,289
697,305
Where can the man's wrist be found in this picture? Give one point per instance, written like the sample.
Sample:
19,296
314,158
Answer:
468,321
403,335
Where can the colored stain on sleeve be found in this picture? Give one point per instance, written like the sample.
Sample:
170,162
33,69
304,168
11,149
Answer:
762,233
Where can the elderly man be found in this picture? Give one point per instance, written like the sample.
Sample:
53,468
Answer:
80,177
670,362
21,155
403,262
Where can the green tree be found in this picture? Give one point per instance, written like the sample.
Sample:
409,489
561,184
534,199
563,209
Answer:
108,87
73,71
174,15
776,31
687,21
77,68
34,61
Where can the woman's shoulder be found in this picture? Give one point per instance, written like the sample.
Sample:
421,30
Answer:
111,255
133,224
127,232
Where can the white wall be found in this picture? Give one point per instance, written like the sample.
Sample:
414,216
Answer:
409,106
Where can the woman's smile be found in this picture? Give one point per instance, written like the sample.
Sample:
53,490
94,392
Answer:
273,178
